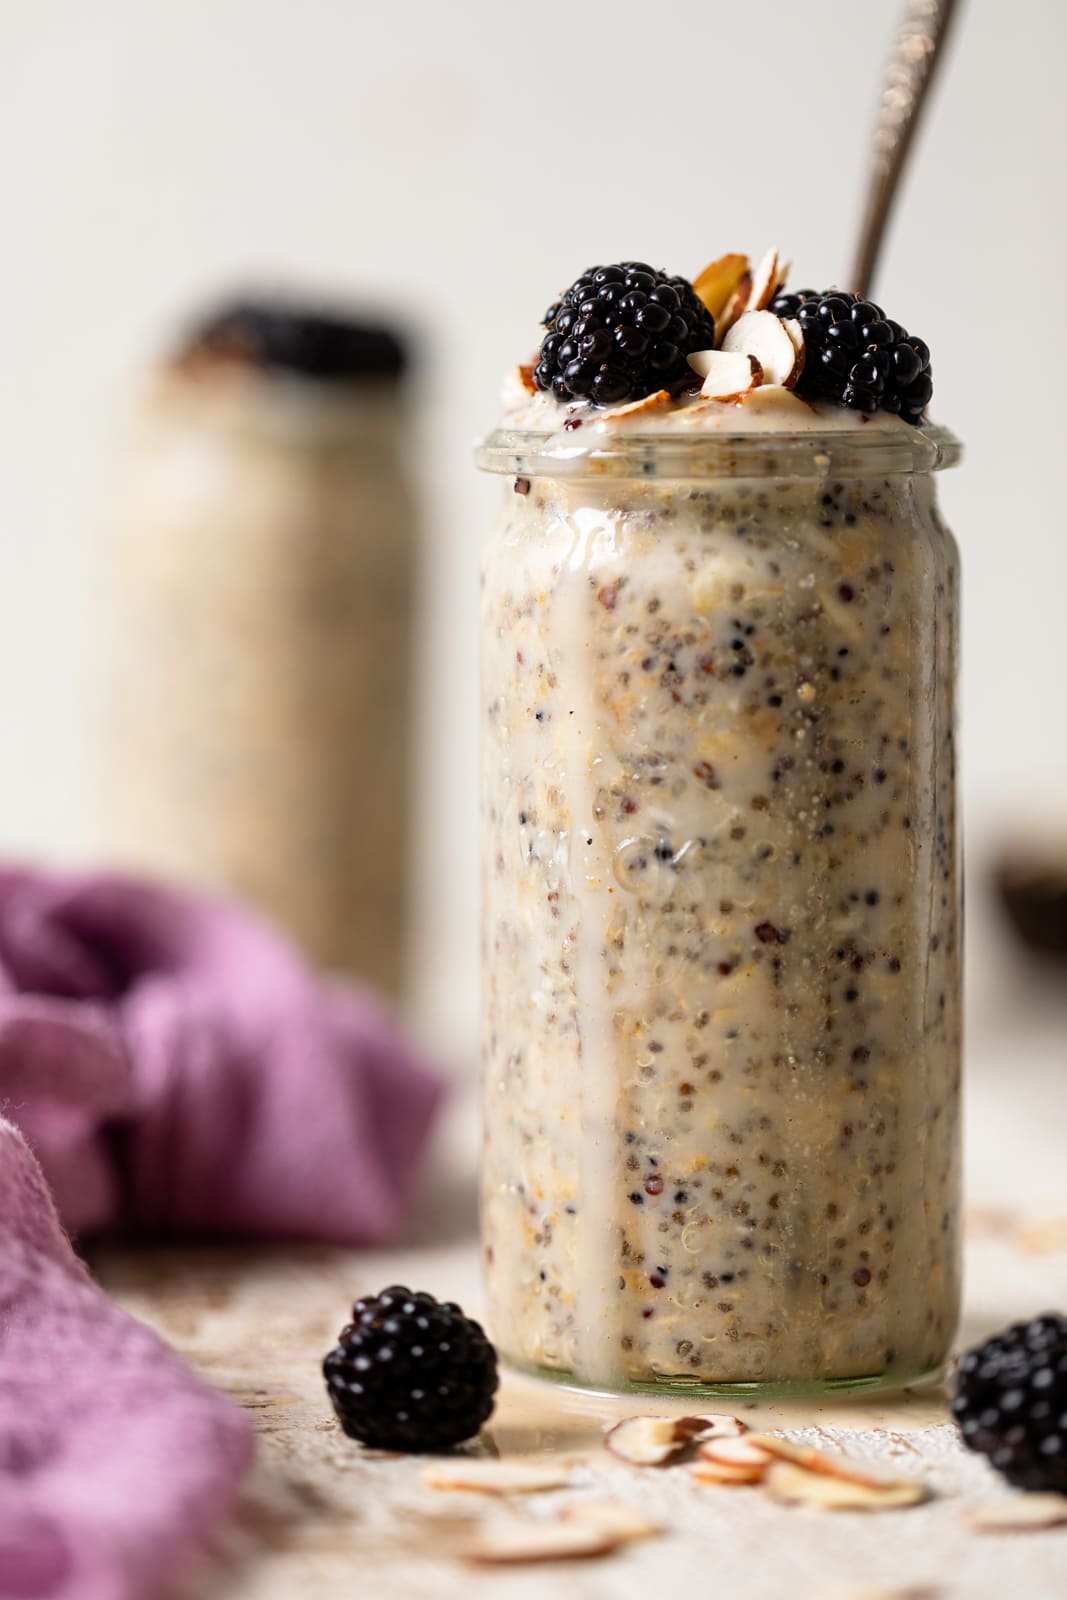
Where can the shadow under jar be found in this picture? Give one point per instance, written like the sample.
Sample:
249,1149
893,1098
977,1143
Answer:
721,910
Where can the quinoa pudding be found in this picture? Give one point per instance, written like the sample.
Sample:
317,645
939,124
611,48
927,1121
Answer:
721,891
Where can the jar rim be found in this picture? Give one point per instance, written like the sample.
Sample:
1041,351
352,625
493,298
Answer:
813,453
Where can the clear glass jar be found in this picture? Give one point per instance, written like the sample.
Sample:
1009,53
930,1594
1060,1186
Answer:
259,566
721,910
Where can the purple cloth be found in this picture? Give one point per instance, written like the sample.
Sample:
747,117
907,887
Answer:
114,1459
175,1067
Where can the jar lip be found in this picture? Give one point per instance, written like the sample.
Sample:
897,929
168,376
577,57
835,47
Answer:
770,454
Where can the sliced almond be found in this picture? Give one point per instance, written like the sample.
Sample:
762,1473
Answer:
648,402
770,400
731,1460
796,334
798,1486
646,1441
512,1475
518,387
764,282
726,376
1043,1238
768,280
719,279
831,1464
713,1425
738,1452
613,1517
722,1472
733,308
801,1455
523,1543
765,336
1019,1514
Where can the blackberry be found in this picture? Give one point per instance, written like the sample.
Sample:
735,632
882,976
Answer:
1011,1402
621,332
409,1373
285,336
1033,891
857,356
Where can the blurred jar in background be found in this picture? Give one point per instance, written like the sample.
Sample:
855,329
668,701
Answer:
260,558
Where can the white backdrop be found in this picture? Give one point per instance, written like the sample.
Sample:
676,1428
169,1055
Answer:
459,164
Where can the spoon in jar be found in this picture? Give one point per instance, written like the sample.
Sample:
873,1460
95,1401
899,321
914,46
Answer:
909,74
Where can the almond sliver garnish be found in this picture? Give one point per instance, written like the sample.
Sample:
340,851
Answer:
718,281
765,278
765,336
727,376
733,308
648,402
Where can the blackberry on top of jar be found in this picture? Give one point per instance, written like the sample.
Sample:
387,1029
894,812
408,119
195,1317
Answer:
621,332
857,356
626,331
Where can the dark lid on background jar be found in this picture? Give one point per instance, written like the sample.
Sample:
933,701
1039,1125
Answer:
280,334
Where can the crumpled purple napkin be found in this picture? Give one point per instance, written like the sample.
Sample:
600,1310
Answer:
114,1458
175,1066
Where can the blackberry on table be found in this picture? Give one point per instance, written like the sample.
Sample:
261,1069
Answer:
410,1373
621,332
857,356
1011,1402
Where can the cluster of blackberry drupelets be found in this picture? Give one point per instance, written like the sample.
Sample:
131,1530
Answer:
409,1373
1011,1402
857,356
620,333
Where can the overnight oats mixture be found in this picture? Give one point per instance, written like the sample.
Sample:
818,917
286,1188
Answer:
260,556
721,878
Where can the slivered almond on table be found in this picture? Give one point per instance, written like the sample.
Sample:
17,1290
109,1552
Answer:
737,1460
511,1475
521,1543
798,1486
801,1475
646,1441
613,1517
653,1441
1022,1513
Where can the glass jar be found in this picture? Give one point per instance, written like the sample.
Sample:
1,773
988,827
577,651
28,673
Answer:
259,573
721,910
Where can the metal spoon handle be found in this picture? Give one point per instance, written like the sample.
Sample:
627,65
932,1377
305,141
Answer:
909,74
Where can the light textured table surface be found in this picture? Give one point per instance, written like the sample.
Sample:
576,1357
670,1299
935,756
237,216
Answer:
320,1518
